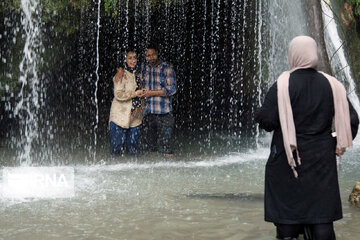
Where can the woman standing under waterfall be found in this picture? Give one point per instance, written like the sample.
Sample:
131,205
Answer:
312,122
125,118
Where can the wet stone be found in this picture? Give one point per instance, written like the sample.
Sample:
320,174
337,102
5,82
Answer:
354,197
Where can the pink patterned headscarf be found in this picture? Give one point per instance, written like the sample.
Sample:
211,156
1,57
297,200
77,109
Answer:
303,54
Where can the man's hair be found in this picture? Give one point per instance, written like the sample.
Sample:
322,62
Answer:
153,46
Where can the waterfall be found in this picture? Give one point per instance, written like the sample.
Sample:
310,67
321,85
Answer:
259,59
213,57
29,97
147,27
279,21
282,28
233,101
226,54
97,76
338,60
286,21
203,61
192,52
337,54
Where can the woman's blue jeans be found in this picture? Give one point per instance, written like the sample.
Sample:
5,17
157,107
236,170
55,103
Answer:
124,140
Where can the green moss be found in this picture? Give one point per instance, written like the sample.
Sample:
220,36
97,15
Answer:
350,25
356,6
346,17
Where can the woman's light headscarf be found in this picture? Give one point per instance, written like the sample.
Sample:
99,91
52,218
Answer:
303,54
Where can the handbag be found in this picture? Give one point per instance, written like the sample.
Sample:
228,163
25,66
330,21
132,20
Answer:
139,105
140,111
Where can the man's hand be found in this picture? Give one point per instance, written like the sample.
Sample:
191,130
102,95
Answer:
140,93
151,93
146,93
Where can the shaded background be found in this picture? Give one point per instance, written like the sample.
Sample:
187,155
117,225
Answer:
221,52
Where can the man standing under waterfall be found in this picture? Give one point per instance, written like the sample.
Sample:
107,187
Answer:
159,83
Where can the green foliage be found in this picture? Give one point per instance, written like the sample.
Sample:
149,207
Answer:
59,16
63,14
111,7
8,5
350,34
356,5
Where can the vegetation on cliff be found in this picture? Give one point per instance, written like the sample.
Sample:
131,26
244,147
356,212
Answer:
347,14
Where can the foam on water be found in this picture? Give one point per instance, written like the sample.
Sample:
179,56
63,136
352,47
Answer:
87,176
231,158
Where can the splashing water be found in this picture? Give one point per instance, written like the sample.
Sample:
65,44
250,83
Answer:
259,60
28,103
201,198
97,78
223,107
282,29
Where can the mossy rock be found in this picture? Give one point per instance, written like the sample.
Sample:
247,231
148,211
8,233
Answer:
354,197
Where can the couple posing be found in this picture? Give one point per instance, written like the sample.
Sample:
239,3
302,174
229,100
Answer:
142,92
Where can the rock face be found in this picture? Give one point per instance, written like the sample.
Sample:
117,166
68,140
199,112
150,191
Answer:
354,197
316,31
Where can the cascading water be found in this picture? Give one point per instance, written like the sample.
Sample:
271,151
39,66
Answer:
259,55
97,79
29,97
242,61
337,55
126,33
281,29
192,53
147,28
213,36
206,196
222,75
275,31
135,20
203,65
233,101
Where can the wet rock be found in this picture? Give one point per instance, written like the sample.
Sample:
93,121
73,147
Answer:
354,197
315,28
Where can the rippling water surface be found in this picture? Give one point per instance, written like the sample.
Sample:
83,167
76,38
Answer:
203,197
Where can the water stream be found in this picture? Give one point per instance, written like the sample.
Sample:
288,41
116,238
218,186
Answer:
29,97
98,24
337,55
197,194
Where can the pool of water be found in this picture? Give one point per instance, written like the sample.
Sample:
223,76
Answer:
202,197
